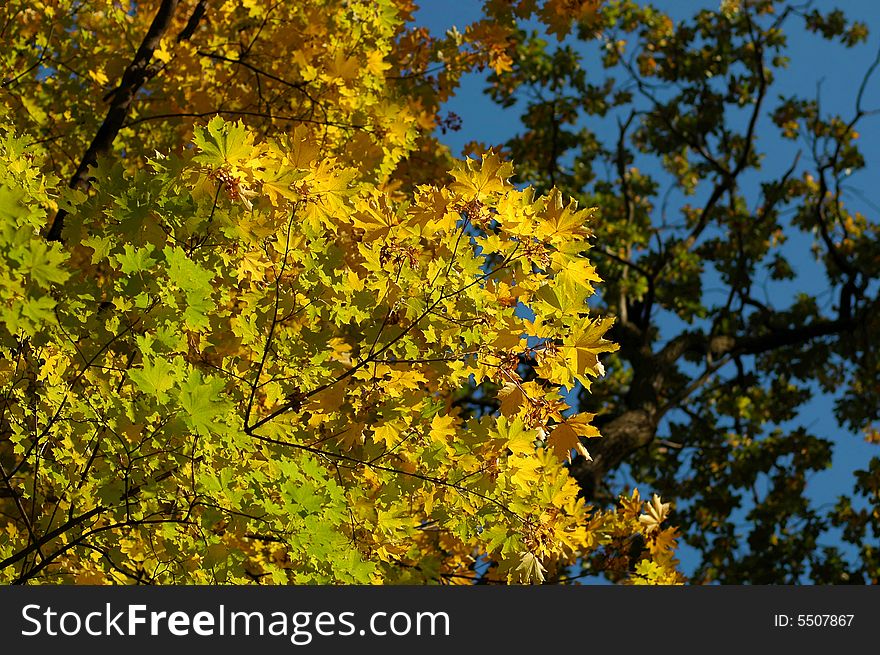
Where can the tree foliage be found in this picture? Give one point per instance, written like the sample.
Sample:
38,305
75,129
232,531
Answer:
699,242
245,312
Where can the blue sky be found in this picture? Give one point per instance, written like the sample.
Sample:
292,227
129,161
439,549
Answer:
814,61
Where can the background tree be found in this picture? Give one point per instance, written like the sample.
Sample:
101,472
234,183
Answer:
696,398
241,299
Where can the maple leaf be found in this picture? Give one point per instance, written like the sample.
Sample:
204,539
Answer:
224,144
561,222
100,245
43,262
531,568
630,506
298,148
135,260
386,434
11,206
573,276
559,15
200,399
475,179
582,350
330,399
352,436
443,428
155,377
648,571
581,424
376,218
563,439
656,512
38,310
514,435
663,541
195,281
511,397
278,184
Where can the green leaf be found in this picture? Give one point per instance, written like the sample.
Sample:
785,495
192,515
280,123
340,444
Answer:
195,282
39,310
223,143
200,399
155,378
186,273
11,205
43,262
135,260
101,245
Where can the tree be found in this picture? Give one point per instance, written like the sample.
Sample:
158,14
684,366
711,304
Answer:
244,309
696,399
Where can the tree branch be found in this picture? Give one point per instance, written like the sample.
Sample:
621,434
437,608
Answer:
137,73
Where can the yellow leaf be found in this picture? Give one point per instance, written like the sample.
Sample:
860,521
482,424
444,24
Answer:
581,425
560,222
376,63
99,76
511,399
386,434
656,512
531,568
581,352
573,274
478,179
162,53
559,15
516,438
353,436
375,218
563,439
663,541
344,67
526,470
443,428
299,148
330,399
